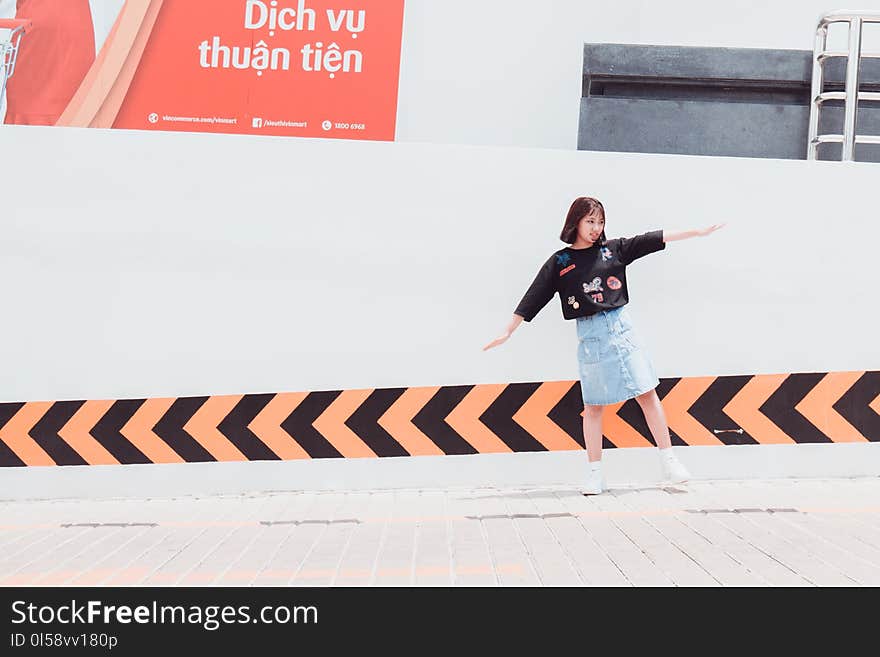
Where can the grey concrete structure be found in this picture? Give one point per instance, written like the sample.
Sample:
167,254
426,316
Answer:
713,101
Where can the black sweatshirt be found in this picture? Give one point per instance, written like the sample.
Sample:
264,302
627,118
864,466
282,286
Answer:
588,280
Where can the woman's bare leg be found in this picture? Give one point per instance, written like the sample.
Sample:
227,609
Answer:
656,418
593,431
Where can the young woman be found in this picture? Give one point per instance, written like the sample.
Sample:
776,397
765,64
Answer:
590,277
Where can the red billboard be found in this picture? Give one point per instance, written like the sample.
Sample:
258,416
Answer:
307,68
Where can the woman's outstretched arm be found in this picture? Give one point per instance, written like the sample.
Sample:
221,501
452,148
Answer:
511,327
536,297
700,232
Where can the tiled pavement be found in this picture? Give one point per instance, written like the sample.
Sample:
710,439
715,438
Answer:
731,533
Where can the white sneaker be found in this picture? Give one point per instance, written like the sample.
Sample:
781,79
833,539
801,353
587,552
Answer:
594,484
673,470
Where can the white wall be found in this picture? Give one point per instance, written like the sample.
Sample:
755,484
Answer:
158,264
508,72
632,467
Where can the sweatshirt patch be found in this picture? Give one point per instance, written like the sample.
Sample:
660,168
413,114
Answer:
566,270
593,286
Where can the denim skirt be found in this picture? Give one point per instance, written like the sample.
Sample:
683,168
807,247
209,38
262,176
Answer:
614,365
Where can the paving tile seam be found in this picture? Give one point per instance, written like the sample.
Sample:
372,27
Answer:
36,557
804,549
774,481
794,548
242,549
264,572
531,559
348,573
125,566
159,566
109,555
676,545
652,558
317,539
422,519
629,541
717,521
188,572
720,520
599,547
835,546
484,532
30,576
572,562
725,550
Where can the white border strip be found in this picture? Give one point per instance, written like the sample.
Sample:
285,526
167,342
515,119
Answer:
623,467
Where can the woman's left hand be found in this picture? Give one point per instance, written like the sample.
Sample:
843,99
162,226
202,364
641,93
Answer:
711,229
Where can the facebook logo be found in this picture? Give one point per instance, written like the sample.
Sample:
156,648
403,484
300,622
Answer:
257,122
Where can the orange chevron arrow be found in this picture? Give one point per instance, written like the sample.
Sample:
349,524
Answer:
267,426
202,426
76,433
15,434
397,421
678,401
533,416
465,419
619,431
817,407
744,409
139,431
331,424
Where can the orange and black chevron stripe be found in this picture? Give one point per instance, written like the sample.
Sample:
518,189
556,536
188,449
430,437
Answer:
829,407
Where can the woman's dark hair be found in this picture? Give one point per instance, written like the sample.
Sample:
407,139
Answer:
583,206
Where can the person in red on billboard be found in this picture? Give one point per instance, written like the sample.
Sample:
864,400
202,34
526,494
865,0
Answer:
53,59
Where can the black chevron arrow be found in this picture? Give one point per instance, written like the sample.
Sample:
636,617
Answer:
780,408
170,429
708,410
299,425
499,418
106,431
430,420
567,414
45,433
235,427
365,422
854,405
8,458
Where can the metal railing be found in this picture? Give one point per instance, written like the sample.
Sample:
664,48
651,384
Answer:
9,48
850,95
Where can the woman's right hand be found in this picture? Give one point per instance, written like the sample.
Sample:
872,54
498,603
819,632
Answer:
511,327
501,339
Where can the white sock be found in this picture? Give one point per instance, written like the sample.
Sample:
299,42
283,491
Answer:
595,466
667,454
